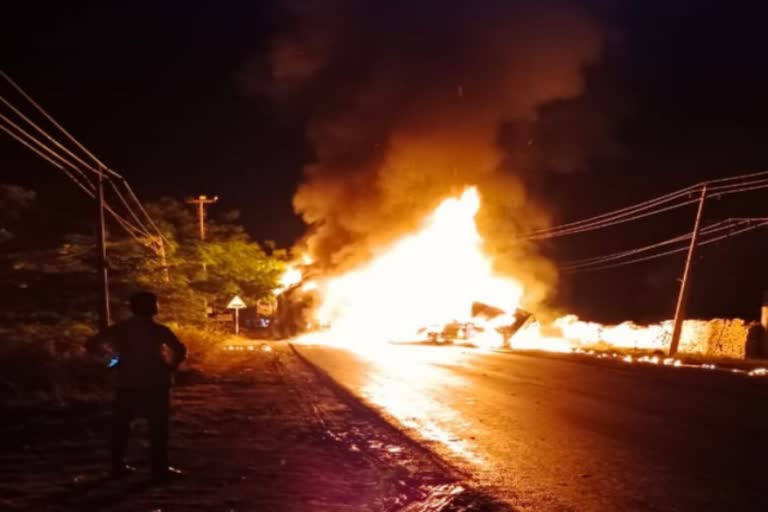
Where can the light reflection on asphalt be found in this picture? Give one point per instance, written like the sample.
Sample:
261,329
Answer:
570,433
398,387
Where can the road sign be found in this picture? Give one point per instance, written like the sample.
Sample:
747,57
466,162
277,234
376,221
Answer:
237,304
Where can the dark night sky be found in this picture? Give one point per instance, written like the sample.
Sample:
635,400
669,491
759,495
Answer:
156,92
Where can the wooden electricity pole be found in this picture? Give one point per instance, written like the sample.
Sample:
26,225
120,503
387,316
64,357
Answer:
201,202
163,258
101,254
682,298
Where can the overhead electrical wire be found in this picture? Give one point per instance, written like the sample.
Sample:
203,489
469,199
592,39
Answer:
609,223
140,225
136,233
102,167
679,198
138,228
673,251
132,230
43,133
62,163
737,177
741,187
144,210
614,214
587,262
719,191
707,230
55,123
128,207
727,225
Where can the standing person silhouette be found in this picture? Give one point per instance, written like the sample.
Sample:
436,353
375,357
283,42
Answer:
143,376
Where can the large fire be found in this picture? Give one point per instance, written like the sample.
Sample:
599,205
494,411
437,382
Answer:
431,282
421,283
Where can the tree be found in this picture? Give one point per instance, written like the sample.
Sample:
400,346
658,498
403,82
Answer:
228,263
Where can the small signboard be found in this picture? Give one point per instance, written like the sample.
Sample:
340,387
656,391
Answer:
237,304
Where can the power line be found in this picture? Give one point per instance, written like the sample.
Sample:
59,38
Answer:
56,124
132,231
640,214
65,165
615,214
68,152
31,148
103,169
666,253
737,177
46,135
89,188
41,144
128,207
609,223
710,229
653,206
717,227
745,188
143,210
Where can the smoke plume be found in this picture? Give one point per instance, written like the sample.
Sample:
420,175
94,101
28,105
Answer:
408,102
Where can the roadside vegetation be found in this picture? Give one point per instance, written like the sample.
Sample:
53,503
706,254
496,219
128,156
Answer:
49,295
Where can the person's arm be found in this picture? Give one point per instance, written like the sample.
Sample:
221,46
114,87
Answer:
178,349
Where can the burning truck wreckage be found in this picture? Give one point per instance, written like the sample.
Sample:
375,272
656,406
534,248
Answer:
432,286
437,286
417,192
424,149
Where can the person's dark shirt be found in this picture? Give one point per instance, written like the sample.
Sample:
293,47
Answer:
139,343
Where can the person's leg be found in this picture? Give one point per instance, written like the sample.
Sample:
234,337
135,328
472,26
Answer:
123,410
157,416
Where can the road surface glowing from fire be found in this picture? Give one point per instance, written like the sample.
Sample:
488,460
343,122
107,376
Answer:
424,280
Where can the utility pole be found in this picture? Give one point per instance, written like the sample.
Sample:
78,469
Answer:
163,259
682,298
201,202
101,253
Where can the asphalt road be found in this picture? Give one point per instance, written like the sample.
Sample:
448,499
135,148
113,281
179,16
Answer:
564,433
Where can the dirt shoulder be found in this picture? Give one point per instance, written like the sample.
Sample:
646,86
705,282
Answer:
260,431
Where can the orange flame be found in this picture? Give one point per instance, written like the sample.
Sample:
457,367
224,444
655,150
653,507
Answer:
428,278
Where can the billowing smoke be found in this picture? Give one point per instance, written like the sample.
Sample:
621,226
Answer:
408,102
